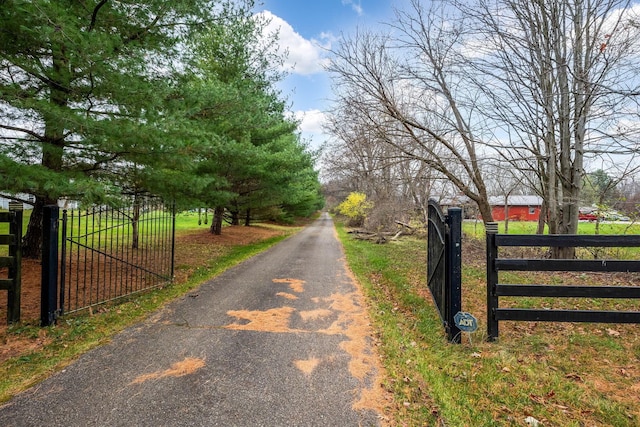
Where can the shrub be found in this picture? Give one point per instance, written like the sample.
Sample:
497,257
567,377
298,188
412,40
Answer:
355,207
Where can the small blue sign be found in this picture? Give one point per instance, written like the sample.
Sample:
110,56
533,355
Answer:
466,322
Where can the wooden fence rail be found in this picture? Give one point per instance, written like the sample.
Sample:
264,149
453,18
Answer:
495,290
13,261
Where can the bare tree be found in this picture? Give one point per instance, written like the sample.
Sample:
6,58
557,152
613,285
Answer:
397,185
546,85
504,181
407,91
560,77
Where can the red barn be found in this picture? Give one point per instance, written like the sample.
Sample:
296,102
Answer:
518,208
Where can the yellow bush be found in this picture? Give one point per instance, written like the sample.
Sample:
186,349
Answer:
355,207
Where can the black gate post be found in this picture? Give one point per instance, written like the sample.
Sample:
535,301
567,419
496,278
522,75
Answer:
454,271
492,281
173,239
49,289
15,270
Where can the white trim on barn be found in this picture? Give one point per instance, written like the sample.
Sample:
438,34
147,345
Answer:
516,201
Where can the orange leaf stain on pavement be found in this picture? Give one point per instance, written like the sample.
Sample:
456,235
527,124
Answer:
286,295
351,322
274,320
178,369
307,366
296,285
320,313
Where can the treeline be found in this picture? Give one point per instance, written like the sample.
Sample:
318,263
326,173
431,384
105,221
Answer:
468,100
104,100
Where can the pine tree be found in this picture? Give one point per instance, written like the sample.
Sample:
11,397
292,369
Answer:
256,162
82,93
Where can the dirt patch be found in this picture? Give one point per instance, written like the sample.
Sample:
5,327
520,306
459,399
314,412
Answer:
29,296
178,369
200,248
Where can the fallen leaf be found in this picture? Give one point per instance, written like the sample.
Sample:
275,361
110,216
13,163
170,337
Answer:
574,376
537,399
613,332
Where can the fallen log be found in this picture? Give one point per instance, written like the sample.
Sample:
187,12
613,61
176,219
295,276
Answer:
404,224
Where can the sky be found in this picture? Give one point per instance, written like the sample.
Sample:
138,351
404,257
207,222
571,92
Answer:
308,29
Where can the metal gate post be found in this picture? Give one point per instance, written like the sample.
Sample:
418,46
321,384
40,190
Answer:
15,270
48,300
454,271
492,281
173,239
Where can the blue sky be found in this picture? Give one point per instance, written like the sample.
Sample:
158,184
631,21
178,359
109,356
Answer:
308,29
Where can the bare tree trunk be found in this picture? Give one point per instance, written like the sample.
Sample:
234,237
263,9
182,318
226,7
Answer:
135,223
52,147
32,241
216,223
235,217
542,218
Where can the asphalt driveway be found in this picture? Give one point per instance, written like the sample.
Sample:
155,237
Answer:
280,340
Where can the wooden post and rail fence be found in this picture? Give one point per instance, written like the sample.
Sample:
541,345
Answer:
495,289
13,260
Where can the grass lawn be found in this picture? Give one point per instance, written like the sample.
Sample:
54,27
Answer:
557,373
476,228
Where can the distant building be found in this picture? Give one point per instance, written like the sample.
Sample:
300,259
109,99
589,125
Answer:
518,208
5,199
31,199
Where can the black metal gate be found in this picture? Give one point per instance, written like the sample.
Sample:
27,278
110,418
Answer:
444,257
109,253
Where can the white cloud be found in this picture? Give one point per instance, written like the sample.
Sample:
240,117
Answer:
304,56
356,6
311,121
